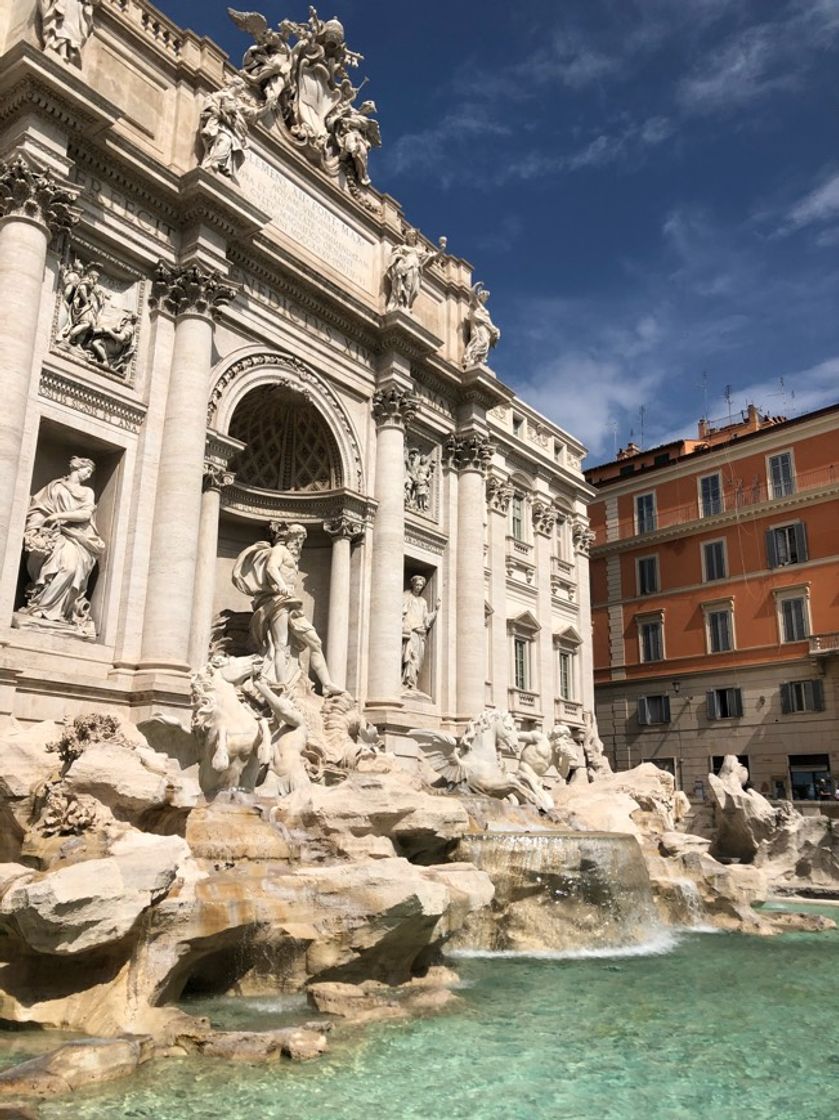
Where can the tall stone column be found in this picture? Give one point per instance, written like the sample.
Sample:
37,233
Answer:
544,520
193,295
392,408
470,454
499,495
583,538
343,531
34,206
216,477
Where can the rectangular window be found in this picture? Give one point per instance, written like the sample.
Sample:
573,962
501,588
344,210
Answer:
662,459
713,555
786,544
517,517
653,709
781,481
724,703
628,469
566,675
521,663
647,575
645,513
652,644
711,495
802,696
810,776
720,630
794,626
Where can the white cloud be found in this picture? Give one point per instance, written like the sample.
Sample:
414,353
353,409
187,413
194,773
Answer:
819,205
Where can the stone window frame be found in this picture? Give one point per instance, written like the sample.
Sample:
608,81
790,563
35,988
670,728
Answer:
718,606
567,643
770,494
785,594
642,620
700,503
702,546
657,589
523,629
637,520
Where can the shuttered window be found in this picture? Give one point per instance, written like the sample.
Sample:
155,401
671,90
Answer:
724,703
648,575
652,644
720,630
645,513
781,481
714,556
802,696
786,544
711,495
653,709
794,619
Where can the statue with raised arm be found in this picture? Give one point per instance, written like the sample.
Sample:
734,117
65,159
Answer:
417,620
481,333
66,26
268,572
63,547
405,268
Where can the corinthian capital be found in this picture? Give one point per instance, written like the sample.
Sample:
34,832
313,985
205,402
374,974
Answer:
583,537
216,476
544,517
470,452
344,526
499,494
37,195
394,406
190,288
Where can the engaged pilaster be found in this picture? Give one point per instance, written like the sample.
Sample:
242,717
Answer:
344,531
499,495
34,206
393,407
544,521
469,454
194,296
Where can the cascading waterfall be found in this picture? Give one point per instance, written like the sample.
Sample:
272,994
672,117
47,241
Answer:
560,891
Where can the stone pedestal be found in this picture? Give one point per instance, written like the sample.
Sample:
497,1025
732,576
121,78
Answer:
192,295
392,407
343,531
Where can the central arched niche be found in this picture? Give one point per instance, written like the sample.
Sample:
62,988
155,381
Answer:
289,446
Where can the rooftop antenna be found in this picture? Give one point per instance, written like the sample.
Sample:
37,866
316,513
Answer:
727,393
642,412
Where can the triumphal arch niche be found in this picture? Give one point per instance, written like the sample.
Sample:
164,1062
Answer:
252,438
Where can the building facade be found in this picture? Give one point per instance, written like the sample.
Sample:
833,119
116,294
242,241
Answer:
716,616
213,328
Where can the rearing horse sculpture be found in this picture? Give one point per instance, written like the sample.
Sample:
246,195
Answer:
230,731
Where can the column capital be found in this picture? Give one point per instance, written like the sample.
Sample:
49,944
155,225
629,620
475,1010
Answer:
344,527
217,476
29,193
544,516
500,493
469,451
583,536
394,406
190,288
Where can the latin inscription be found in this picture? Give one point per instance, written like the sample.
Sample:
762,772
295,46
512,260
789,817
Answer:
134,212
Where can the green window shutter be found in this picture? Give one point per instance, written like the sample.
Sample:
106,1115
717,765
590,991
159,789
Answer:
786,698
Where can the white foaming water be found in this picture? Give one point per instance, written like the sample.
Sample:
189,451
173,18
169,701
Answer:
662,941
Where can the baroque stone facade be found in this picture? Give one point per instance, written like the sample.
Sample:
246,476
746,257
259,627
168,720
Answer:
243,333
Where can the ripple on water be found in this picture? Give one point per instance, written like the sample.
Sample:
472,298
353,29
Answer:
722,1027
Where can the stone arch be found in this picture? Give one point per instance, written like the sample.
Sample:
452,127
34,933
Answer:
255,367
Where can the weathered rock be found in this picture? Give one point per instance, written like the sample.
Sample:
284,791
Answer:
643,802
26,765
677,844
298,1043
801,923
743,818
77,1064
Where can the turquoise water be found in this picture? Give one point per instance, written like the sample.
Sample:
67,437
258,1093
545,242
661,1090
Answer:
719,1026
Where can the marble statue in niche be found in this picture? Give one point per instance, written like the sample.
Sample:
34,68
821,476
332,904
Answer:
419,474
63,547
481,333
66,26
300,73
226,116
268,572
405,268
85,328
417,620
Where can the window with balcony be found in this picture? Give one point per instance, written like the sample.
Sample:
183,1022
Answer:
645,518
786,544
795,625
517,517
521,663
566,674
710,495
719,627
713,561
652,640
648,575
724,703
802,696
653,709
781,475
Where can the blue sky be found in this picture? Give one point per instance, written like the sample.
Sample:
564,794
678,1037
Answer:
650,188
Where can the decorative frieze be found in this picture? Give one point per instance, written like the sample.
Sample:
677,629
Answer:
394,406
500,493
190,288
91,401
37,195
468,452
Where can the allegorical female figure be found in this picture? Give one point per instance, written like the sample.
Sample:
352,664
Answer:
63,547
66,26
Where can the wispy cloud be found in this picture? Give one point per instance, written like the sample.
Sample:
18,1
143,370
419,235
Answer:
819,205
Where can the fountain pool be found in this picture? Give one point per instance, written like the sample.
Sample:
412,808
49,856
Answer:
709,1025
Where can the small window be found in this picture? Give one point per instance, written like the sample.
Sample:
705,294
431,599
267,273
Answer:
517,517
645,513
794,626
566,675
802,696
648,575
521,663
661,460
652,641
781,480
629,468
724,703
786,544
713,557
720,630
711,495
653,709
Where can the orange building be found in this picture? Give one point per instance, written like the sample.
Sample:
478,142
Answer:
715,602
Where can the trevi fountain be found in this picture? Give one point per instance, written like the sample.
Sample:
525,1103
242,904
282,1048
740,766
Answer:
304,807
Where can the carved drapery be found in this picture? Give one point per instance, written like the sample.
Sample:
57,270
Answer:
26,192
394,406
190,288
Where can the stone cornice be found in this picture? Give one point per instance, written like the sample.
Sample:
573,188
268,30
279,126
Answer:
307,507
33,80
401,332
